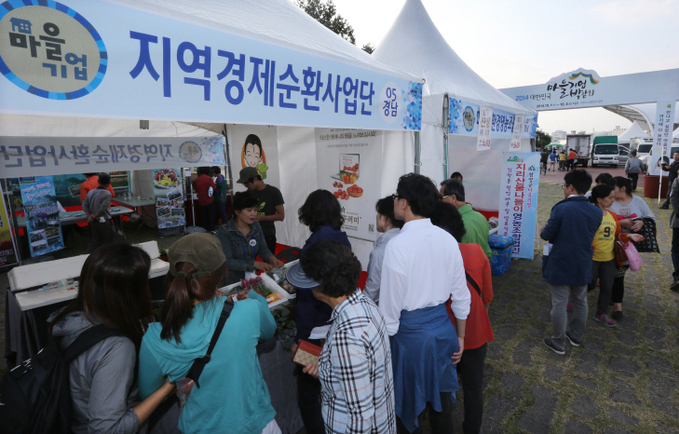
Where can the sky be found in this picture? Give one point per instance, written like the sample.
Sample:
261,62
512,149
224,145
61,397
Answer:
526,42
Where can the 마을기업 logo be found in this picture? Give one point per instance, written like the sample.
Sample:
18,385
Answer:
190,152
50,50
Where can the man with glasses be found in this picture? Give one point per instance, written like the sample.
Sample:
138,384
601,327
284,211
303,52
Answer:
271,205
568,268
422,269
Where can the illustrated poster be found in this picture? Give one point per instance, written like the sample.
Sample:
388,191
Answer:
168,190
520,178
42,215
254,146
349,164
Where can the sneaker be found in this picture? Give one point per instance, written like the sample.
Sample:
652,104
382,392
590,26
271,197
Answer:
553,347
605,320
665,206
617,315
572,340
675,285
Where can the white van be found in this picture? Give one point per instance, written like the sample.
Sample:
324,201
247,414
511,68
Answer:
605,153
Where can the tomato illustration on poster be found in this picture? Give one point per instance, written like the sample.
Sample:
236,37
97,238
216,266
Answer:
349,164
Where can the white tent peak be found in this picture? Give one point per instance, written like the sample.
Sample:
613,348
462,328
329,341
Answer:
414,45
633,132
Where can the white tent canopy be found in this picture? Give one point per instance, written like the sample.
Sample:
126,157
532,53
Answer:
414,45
633,132
277,22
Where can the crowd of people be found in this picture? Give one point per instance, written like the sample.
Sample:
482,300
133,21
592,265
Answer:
392,354
582,230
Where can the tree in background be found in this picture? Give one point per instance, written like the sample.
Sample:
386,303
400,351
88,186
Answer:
368,48
325,13
542,139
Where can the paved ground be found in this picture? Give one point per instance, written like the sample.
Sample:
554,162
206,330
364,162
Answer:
622,380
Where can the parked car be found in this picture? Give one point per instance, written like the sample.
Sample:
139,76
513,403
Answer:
648,158
623,155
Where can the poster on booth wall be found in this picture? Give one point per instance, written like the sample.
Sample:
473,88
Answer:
7,248
662,136
42,214
520,178
349,164
168,190
485,124
254,146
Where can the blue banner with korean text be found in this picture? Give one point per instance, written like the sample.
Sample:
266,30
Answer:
99,59
62,155
519,201
464,121
42,214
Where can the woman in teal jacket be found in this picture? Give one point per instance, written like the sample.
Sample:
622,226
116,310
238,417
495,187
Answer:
232,397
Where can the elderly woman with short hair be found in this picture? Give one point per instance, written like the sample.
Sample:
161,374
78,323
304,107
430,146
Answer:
357,389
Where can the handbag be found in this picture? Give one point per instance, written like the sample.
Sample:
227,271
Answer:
621,259
633,256
650,243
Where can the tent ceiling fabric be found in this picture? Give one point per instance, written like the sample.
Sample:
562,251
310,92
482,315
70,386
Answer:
414,45
54,126
278,22
633,132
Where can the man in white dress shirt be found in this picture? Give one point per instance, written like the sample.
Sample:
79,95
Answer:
422,269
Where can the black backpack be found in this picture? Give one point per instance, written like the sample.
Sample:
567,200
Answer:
35,396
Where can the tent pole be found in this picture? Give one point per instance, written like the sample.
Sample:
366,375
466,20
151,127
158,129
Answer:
662,159
446,121
418,163
227,159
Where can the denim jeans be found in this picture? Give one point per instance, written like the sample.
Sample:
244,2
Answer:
441,422
578,322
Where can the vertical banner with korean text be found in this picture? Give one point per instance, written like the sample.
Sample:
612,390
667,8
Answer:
42,214
7,248
515,144
662,135
519,200
168,190
349,164
485,123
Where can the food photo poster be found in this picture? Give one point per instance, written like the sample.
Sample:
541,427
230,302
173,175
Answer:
349,165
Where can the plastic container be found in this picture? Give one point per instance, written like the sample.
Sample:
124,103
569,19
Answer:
269,283
501,248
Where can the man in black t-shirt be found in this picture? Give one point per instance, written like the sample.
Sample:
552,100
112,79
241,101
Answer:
673,169
271,205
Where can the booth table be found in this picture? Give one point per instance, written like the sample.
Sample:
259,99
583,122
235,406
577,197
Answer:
37,290
139,204
73,217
